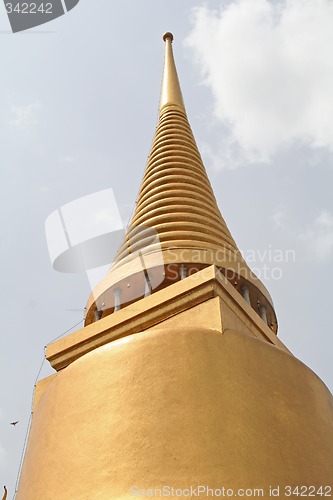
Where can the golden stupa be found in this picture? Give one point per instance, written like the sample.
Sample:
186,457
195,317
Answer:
178,379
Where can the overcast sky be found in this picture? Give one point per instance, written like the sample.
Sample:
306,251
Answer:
78,108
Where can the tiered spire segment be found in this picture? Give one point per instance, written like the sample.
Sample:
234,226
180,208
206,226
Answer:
176,197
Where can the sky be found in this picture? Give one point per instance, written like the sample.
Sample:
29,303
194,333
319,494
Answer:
78,109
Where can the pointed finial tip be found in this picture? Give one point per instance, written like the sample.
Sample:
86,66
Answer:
168,36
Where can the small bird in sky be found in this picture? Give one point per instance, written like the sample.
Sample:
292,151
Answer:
14,423
5,494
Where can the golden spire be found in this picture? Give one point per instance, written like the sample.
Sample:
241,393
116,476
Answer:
177,201
171,91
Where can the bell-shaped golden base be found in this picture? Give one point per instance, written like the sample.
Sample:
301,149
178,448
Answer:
179,408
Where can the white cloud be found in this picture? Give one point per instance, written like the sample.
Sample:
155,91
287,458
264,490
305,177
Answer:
325,219
225,153
25,117
319,237
270,68
279,217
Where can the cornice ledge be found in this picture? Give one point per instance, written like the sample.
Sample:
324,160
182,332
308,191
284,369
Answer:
147,313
